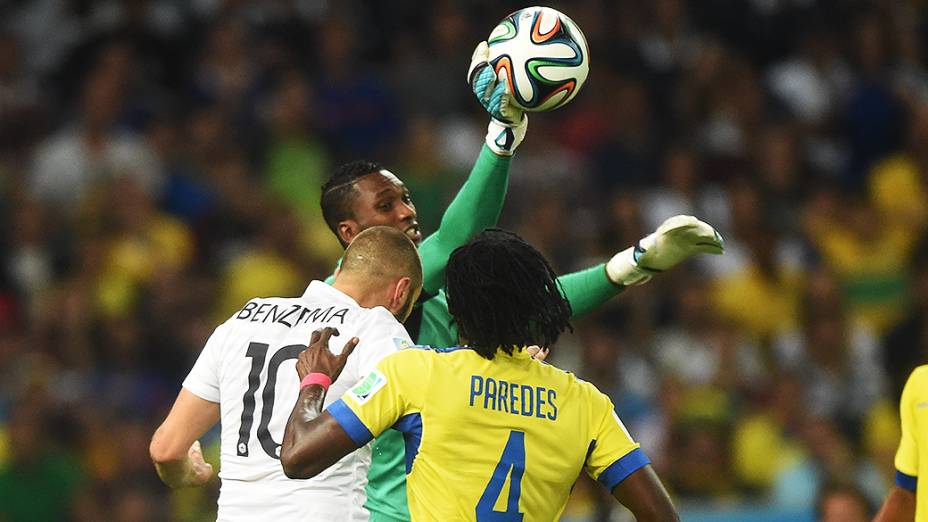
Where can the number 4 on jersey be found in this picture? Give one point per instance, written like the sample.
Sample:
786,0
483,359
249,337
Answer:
511,464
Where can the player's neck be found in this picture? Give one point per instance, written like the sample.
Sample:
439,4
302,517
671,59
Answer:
361,293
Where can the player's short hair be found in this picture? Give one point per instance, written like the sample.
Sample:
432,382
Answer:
382,252
338,193
504,295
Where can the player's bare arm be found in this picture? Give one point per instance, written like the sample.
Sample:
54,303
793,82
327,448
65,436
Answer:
313,440
174,448
644,495
899,506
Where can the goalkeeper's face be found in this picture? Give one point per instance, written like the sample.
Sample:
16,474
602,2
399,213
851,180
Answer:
382,199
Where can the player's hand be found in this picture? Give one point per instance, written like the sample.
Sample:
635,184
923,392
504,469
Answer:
492,94
201,471
538,353
317,358
508,123
677,239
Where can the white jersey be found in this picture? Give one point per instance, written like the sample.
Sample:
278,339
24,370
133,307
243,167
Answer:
248,367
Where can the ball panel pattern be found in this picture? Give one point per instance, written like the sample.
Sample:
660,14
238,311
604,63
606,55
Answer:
542,55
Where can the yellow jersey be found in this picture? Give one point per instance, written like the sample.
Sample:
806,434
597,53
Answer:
489,440
913,409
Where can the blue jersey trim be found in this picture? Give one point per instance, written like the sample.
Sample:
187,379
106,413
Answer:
906,481
622,468
450,349
411,427
350,422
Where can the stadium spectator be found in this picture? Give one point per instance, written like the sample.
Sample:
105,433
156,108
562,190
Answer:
94,148
839,503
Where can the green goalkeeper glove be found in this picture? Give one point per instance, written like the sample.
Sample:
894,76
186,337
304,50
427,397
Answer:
677,239
507,122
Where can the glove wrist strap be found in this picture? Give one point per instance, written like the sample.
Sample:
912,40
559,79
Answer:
503,138
623,268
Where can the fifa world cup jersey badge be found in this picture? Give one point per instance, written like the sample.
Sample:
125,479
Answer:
368,386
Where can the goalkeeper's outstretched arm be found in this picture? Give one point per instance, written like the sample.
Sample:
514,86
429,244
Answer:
676,240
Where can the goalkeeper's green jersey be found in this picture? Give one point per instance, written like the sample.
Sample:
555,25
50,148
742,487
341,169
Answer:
476,206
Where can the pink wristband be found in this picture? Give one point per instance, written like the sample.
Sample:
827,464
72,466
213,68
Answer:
316,378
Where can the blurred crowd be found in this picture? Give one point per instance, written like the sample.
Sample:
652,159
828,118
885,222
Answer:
160,164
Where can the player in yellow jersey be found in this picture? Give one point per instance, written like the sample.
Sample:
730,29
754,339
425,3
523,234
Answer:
908,500
491,434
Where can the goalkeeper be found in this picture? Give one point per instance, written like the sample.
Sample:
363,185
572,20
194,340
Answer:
364,194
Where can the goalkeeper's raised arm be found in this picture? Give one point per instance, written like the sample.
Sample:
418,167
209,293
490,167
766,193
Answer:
479,202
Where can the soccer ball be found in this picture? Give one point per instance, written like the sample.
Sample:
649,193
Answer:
542,54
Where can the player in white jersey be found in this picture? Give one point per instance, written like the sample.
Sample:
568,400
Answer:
245,378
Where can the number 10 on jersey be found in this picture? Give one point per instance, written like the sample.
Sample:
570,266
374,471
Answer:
257,352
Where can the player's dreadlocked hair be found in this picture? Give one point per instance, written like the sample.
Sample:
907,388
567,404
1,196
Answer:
338,192
504,294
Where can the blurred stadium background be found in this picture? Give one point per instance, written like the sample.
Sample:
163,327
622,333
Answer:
160,163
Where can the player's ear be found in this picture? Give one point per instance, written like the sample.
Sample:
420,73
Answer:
347,230
403,298
402,290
